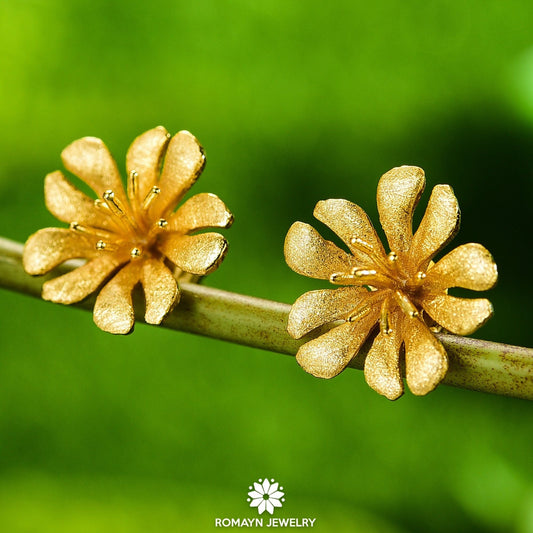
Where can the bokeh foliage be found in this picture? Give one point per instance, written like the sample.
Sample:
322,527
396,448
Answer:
294,102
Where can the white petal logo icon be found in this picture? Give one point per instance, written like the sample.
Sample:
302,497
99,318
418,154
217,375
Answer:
266,495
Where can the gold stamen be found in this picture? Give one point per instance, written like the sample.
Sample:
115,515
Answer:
100,204
90,231
367,249
383,277
406,305
103,245
384,320
341,277
356,241
392,257
132,184
150,197
358,313
135,253
361,272
162,223
113,203
118,210
418,279
103,208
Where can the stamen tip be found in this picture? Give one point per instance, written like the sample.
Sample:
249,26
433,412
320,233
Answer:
100,204
150,197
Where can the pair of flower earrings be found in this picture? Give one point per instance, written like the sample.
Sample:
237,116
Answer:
135,236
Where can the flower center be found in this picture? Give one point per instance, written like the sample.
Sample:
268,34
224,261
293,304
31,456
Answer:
390,280
128,225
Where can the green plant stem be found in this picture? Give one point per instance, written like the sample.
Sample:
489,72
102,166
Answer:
473,364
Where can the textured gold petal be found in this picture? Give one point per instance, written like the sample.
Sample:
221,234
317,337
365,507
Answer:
382,364
184,162
426,361
69,204
469,266
398,193
316,308
201,211
349,221
461,316
160,290
327,355
113,310
90,160
438,227
197,254
307,253
145,156
76,285
50,247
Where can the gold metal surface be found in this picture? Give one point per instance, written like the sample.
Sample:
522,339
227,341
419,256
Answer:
426,362
382,364
67,203
145,158
50,247
129,236
76,285
403,290
315,308
205,210
307,253
398,193
328,355
90,160
196,254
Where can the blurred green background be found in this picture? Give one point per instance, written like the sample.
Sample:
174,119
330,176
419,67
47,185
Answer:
294,102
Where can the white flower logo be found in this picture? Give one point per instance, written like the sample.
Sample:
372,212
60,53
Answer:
266,496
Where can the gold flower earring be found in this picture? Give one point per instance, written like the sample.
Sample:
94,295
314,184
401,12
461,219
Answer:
402,291
129,237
